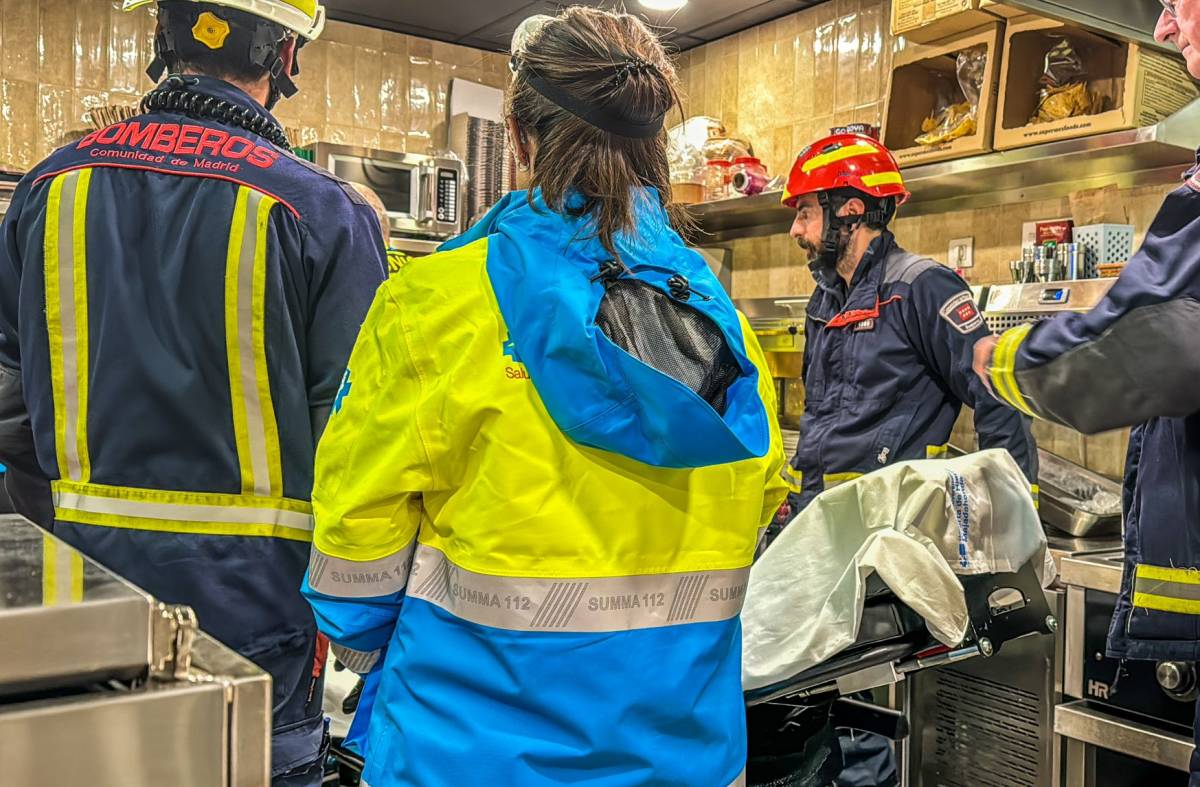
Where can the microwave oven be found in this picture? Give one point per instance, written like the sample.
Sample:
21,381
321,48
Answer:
423,194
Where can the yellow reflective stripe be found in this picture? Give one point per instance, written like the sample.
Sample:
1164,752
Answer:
793,478
1166,604
937,451
840,478
82,356
201,513
65,253
269,427
841,154
1004,378
1035,491
255,429
54,321
62,573
883,179
233,260
1184,576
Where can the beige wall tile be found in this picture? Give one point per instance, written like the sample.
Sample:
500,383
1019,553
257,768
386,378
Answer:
19,55
55,41
91,45
824,69
18,117
54,118
871,79
125,66
368,78
847,60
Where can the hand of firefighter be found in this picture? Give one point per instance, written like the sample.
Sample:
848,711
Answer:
984,349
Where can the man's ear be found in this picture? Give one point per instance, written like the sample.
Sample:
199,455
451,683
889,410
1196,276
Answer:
853,207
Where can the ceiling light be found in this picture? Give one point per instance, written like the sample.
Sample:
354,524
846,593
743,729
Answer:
663,5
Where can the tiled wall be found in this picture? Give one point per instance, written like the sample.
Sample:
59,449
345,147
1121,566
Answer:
60,58
786,83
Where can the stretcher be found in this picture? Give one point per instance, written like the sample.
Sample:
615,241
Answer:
792,723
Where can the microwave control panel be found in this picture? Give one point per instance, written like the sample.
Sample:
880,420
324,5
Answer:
447,196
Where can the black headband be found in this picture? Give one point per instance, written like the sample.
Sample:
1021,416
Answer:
597,115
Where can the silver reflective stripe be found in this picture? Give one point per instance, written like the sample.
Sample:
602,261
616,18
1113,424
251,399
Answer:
356,661
335,576
740,781
593,604
183,512
70,334
245,320
1160,587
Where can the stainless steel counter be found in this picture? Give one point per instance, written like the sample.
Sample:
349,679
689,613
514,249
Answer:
101,685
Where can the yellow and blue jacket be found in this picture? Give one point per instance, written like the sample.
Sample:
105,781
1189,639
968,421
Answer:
535,544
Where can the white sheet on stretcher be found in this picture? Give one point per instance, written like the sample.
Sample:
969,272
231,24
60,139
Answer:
916,524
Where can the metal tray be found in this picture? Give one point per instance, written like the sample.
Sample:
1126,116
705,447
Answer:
1075,500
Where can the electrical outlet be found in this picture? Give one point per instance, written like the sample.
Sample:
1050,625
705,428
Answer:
962,253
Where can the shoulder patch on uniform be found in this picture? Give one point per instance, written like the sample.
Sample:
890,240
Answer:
907,268
961,312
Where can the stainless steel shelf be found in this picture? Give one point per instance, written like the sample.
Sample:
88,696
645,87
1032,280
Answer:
1152,155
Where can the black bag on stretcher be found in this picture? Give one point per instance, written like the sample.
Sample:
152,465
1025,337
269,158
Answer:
919,565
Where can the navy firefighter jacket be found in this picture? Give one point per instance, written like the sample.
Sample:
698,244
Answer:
887,368
178,300
1134,360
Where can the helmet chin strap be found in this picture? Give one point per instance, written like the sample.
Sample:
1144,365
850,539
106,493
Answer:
825,264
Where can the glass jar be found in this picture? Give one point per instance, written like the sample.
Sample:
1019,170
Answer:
716,179
747,176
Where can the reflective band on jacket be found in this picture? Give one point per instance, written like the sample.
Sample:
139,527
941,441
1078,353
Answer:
937,451
740,781
67,318
1167,589
199,513
594,604
357,661
254,425
335,576
793,478
62,573
837,479
1035,492
1003,372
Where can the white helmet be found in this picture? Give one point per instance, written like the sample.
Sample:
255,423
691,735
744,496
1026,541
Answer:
305,18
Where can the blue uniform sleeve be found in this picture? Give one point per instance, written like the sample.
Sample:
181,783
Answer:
1131,358
16,435
348,263
948,324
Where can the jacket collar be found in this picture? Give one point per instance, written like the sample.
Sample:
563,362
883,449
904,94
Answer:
220,89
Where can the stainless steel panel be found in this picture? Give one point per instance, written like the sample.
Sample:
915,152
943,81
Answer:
1076,721
172,735
62,616
248,690
1073,654
986,722
1123,19
1101,571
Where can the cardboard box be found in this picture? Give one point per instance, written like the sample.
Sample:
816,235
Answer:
933,21
1140,86
912,96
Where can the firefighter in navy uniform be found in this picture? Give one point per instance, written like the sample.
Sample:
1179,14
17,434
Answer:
178,299
887,359
1134,360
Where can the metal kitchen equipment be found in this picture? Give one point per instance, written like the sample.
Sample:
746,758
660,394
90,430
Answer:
1130,721
990,722
422,194
102,685
1009,305
1075,500
779,325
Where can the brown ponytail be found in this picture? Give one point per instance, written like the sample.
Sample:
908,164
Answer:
587,53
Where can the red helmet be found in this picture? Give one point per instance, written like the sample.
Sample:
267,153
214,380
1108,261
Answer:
845,161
